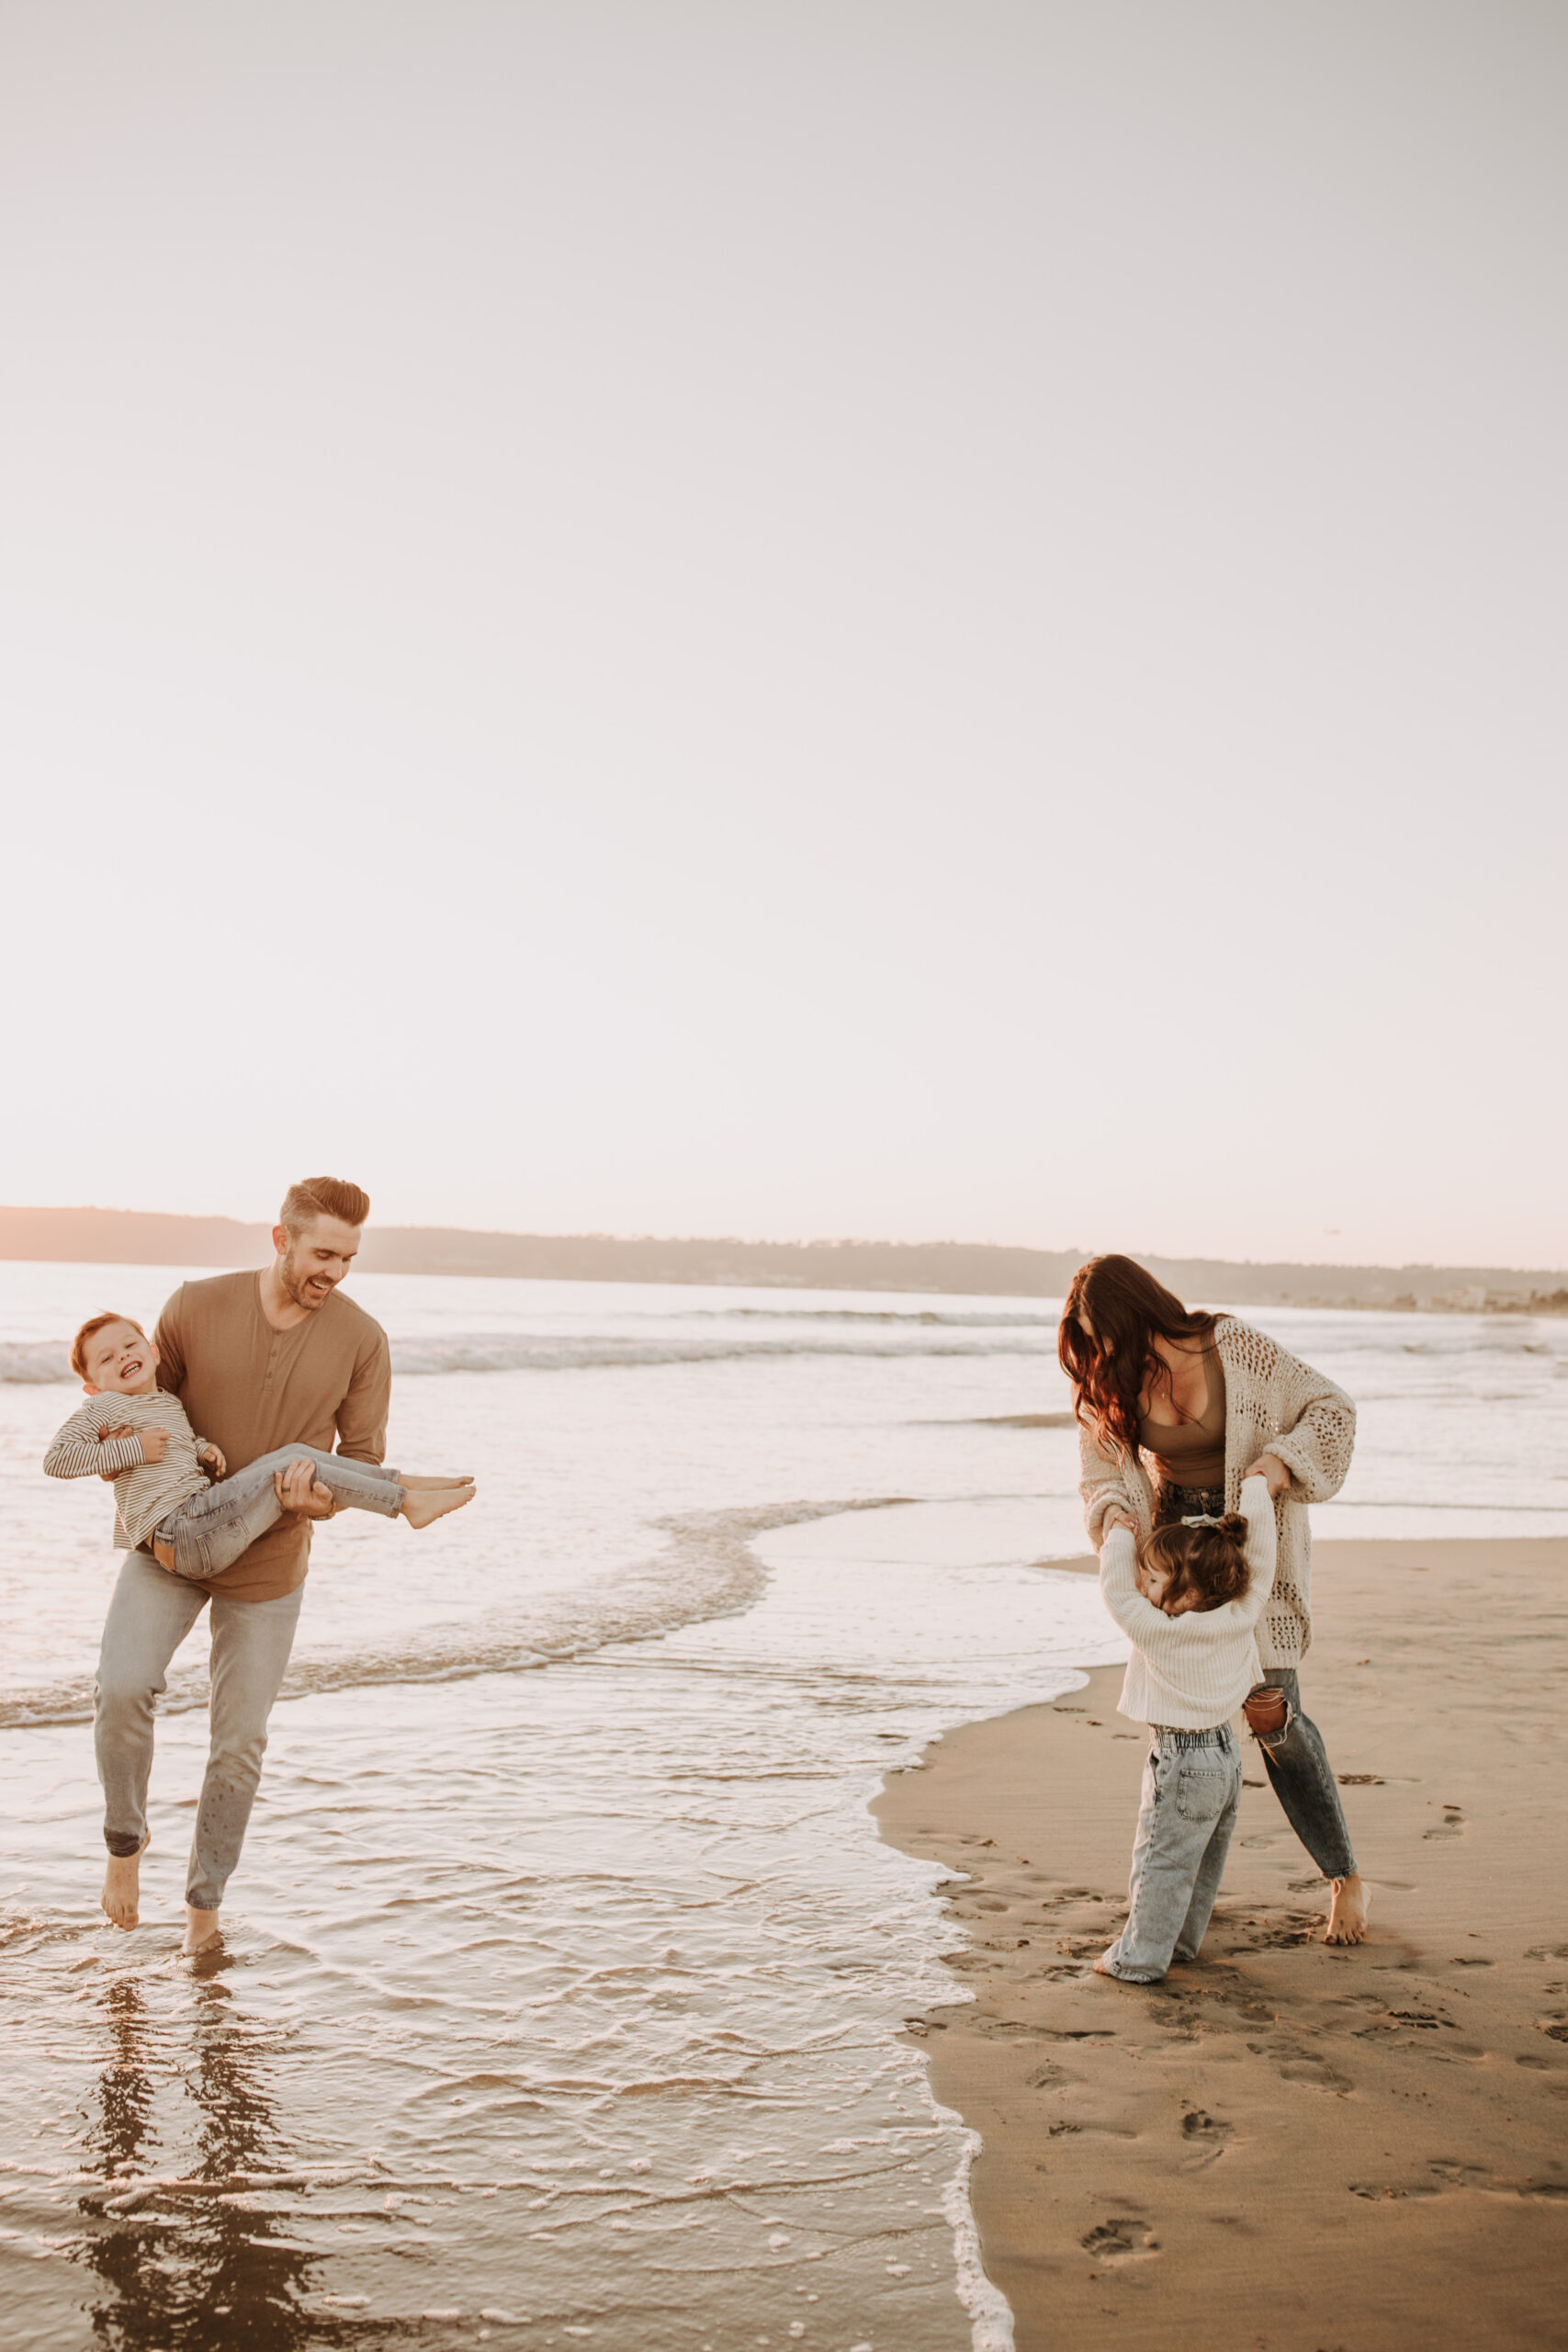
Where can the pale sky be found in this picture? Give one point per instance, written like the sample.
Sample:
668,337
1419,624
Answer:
808,618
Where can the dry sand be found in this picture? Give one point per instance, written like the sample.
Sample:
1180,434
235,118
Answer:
1283,2148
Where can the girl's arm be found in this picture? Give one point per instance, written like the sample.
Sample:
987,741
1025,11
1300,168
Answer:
76,1451
1257,1509
1138,1617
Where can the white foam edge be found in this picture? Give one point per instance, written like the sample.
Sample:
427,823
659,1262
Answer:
990,2314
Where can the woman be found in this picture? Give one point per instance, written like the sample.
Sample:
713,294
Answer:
1174,1410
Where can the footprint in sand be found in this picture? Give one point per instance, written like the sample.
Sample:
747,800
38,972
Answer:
1277,1934
1459,2175
1453,1825
1118,2239
1314,2075
1203,2138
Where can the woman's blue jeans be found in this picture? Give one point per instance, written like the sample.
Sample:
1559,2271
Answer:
1303,1781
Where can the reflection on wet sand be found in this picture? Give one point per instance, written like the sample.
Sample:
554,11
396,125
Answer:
189,2267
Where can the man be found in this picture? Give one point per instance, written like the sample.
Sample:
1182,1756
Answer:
259,1360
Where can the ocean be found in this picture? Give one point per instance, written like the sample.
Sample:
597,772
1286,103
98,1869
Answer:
563,1977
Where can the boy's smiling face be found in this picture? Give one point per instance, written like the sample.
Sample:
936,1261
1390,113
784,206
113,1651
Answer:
121,1361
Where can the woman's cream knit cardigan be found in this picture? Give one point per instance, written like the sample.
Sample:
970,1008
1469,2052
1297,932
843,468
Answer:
1274,1404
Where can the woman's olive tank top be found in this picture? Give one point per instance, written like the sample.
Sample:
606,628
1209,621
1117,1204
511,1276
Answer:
1192,1454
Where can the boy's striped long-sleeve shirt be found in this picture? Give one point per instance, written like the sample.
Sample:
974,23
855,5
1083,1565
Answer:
144,1492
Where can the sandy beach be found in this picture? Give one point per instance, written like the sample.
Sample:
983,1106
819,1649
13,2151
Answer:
1283,2147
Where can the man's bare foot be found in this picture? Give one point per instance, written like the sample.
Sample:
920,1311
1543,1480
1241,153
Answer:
1348,1911
201,1929
425,1503
121,1897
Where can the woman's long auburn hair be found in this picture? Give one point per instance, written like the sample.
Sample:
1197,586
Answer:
1110,1373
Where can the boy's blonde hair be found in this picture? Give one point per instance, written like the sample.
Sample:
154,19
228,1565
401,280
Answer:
95,1323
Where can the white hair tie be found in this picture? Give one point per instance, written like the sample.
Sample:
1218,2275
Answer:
1203,1518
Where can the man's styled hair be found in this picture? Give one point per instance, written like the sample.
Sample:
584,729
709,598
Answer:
316,1196
95,1323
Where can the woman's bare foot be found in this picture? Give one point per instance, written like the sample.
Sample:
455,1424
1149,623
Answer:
201,1929
412,1486
1348,1911
425,1503
121,1897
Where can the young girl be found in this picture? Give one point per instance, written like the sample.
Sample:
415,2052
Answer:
1191,1609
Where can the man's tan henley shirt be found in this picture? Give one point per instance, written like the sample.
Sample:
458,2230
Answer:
249,1389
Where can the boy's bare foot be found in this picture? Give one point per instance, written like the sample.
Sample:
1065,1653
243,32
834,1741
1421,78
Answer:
426,1503
201,1929
121,1897
1348,1911
412,1486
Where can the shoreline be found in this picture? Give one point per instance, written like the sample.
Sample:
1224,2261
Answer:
1284,2146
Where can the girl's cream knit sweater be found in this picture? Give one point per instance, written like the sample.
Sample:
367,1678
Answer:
1189,1673
1274,1404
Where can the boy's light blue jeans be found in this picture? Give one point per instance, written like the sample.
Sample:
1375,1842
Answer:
1191,1792
208,1532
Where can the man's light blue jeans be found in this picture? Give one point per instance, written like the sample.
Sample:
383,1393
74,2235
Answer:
1191,1792
211,1530
150,1615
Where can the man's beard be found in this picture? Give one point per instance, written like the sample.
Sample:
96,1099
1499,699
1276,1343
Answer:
294,1283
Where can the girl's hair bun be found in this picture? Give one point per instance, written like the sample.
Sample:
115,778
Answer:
1234,1526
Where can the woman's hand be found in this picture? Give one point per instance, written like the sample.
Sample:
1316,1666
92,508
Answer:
1115,1519
1269,1467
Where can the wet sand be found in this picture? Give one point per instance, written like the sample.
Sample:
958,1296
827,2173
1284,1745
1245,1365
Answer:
1284,2146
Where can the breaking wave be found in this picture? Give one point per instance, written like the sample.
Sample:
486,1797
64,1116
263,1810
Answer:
44,1361
708,1569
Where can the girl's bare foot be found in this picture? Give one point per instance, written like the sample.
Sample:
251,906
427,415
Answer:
201,1929
121,1897
425,1503
412,1486
1348,1911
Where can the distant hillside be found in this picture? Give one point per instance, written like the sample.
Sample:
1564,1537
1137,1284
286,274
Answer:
128,1237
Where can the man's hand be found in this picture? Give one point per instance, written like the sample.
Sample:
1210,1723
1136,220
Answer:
104,1435
154,1444
213,1457
300,1490
1269,1467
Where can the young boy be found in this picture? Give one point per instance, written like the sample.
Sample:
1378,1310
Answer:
164,1503
1191,1610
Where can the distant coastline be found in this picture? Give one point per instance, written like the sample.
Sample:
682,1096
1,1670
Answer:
131,1236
